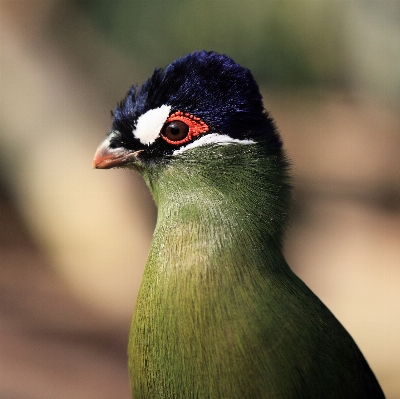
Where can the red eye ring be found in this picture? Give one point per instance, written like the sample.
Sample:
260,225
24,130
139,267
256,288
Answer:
195,124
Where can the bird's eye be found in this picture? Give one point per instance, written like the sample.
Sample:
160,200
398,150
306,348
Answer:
175,130
182,127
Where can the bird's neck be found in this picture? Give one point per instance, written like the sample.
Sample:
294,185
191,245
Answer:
231,205
212,269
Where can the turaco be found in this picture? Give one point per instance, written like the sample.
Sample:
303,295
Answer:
219,313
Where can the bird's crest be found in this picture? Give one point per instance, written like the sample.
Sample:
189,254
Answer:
200,93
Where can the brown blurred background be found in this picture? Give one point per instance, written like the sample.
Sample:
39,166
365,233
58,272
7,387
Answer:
73,241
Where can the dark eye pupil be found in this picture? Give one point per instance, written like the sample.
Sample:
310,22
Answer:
176,130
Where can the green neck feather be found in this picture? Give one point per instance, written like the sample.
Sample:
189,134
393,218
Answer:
219,313
225,193
216,245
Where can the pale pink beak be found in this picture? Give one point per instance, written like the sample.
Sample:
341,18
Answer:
107,157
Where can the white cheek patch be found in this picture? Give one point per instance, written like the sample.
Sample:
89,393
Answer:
149,124
213,138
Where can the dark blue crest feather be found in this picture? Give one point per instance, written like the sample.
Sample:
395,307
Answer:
208,85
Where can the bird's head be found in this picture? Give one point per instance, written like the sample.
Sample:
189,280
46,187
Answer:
201,99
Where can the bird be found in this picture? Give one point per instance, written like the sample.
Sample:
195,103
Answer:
219,313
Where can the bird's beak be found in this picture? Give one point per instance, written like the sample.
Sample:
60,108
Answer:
107,157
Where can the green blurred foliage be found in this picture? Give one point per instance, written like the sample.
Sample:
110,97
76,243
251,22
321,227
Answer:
285,43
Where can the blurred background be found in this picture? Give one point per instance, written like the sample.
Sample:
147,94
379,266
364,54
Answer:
74,241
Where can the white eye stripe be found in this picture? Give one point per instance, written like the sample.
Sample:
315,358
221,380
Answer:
149,124
212,138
